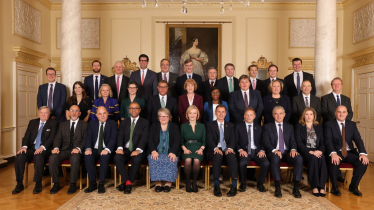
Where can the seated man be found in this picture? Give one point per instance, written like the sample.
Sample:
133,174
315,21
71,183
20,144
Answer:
131,143
221,144
339,136
248,144
68,144
36,146
100,143
279,141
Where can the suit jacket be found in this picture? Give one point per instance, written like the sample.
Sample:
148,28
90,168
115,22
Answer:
290,86
89,85
182,79
123,93
284,102
149,87
174,138
333,137
223,86
62,138
260,86
154,104
270,137
208,112
329,106
172,83
59,99
213,136
139,136
237,105
241,136
207,93
183,105
109,134
301,139
48,133
298,106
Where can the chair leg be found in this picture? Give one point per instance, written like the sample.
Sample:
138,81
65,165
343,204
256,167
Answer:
237,181
64,174
88,182
80,177
120,179
269,181
51,183
329,185
26,177
178,178
208,179
148,178
115,176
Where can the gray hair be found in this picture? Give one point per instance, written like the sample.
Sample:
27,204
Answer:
279,108
119,62
45,107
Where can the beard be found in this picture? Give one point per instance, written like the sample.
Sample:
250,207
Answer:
96,70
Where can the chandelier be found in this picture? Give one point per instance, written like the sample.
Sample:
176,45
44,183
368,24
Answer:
184,10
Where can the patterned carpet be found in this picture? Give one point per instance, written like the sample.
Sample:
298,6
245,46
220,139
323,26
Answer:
142,198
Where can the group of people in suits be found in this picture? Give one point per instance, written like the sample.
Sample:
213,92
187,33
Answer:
166,118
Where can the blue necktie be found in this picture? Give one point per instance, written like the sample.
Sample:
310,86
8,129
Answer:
96,87
298,84
221,140
281,139
338,100
39,137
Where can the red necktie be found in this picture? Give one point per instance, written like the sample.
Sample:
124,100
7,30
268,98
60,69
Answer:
254,84
165,78
245,99
143,77
117,87
211,84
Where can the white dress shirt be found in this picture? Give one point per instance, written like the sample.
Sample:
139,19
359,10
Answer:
98,136
188,75
228,82
255,80
301,75
272,79
340,98
40,124
223,130
304,96
128,143
120,82
165,98
277,148
214,82
247,92
190,102
75,126
167,76
253,146
53,94
98,81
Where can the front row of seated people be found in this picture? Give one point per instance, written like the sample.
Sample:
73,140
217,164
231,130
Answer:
101,141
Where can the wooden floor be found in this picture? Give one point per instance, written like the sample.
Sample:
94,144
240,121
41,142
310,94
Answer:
44,200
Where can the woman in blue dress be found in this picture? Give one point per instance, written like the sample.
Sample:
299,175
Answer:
111,104
210,106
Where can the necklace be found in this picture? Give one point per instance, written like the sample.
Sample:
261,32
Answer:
276,100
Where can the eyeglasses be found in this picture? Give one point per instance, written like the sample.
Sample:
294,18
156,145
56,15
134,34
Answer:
76,111
133,108
163,117
143,61
163,87
51,74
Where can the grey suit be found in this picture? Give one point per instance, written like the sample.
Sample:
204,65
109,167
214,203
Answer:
329,106
298,106
172,91
149,87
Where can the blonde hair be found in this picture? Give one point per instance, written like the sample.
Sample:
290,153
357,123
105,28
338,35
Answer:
110,90
190,81
165,111
190,109
302,118
271,84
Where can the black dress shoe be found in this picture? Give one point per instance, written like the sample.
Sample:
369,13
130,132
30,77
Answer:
316,194
121,187
233,191
217,191
355,191
261,187
91,188
128,189
101,189
37,189
322,194
167,189
72,189
278,193
335,191
19,188
55,188
158,189
296,193
242,187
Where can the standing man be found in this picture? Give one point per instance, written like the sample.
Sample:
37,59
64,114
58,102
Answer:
209,83
273,75
93,82
36,146
229,83
294,80
188,67
68,145
100,143
256,84
334,99
52,95
145,78
169,77
118,82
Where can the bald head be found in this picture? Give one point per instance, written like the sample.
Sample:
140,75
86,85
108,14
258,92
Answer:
74,112
102,114
341,113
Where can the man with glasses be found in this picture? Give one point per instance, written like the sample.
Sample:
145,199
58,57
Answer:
52,95
169,77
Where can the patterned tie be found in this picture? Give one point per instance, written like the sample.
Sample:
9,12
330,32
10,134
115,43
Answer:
100,145
96,87
344,143
221,138
131,147
306,102
142,77
50,98
338,100
211,84
162,102
39,136
165,78
117,87
246,99
249,140
254,84
281,140
231,88
71,136
298,83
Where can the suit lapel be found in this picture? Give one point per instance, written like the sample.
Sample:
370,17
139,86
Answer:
331,95
336,126
301,100
256,135
147,77
303,134
251,98
216,129
76,134
275,133
158,103
241,100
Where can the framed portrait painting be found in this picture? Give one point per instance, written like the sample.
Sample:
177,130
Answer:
199,42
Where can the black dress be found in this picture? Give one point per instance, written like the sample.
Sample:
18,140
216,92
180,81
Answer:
83,106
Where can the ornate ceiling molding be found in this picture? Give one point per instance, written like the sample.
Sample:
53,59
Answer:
28,56
363,57
46,3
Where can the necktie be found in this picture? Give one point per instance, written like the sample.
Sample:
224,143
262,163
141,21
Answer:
71,136
254,84
298,83
39,136
306,102
338,100
117,87
189,76
344,143
96,87
246,99
100,145
221,139
230,85
162,102
249,140
211,84
281,140
142,77
131,132
165,78
50,98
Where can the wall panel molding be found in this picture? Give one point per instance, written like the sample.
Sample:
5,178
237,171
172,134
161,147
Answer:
363,23
27,21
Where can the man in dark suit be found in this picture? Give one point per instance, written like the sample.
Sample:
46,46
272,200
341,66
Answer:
68,145
52,95
280,144
209,83
243,98
118,83
256,84
229,83
188,67
100,144
293,81
36,146
131,144
300,102
93,82
169,77
273,75
145,78
339,136
220,146
334,99
249,147
162,100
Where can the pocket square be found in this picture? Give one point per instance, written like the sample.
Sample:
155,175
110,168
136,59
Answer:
48,130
